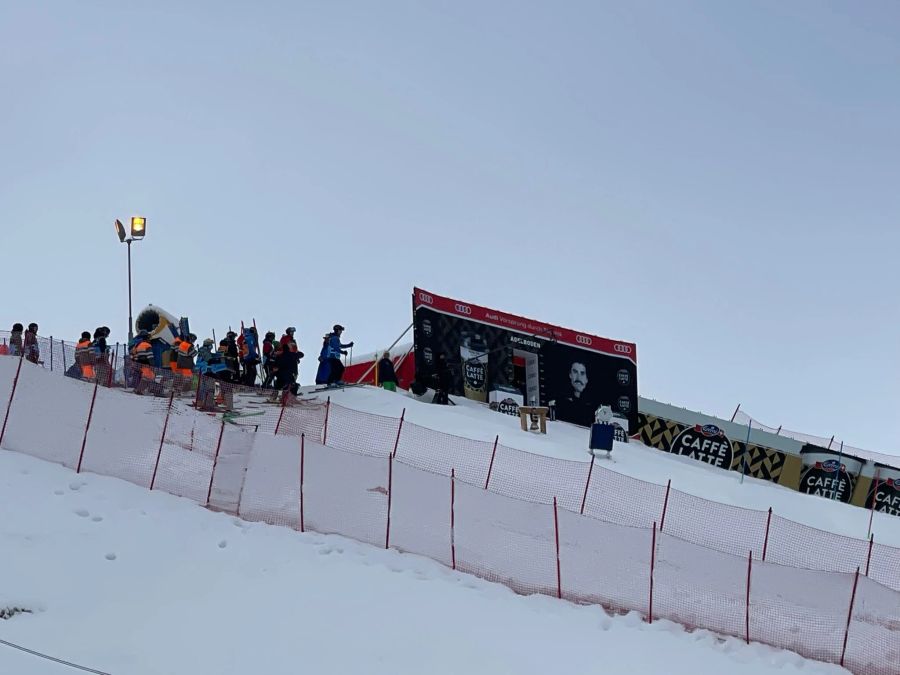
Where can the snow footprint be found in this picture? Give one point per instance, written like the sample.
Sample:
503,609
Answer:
110,556
82,513
97,519
223,543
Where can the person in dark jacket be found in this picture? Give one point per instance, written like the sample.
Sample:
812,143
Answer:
101,354
232,355
15,340
335,350
268,359
324,368
30,343
288,368
387,378
442,381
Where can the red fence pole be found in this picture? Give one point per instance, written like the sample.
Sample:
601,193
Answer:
327,415
212,473
869,555
587,485
399,429
491,465
558,571
387,534
652,568
280,415
747,605
662,520
302,464
453,518
86,427
162,439
849,616
11,394
766,540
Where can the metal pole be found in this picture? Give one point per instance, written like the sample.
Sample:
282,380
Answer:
130,322
744,453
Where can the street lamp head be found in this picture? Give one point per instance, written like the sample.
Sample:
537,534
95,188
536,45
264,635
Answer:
138,227
120,230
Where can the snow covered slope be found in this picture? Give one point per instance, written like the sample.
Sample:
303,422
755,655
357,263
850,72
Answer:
137,583
567,441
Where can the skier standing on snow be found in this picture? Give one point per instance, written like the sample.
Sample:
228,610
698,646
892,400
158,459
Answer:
335,349
32,351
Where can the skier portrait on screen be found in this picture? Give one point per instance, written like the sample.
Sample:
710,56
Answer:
575,406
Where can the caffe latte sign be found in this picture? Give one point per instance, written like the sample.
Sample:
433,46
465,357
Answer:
706,443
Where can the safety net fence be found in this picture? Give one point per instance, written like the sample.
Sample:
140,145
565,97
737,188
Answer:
533,523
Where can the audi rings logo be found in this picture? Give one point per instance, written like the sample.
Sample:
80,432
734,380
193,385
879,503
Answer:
623,349
583,340
462,309
427,299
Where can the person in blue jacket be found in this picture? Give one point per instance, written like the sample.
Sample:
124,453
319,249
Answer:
324,369
335,349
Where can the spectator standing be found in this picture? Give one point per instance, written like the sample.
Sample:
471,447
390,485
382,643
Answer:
268,363
323,370
101,355
15,340
387,378
32,350
288,368
142,356
85,357
288,336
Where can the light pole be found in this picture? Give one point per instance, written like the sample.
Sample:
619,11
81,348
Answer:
138,231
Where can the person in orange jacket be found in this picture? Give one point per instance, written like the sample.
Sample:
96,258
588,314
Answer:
185,359
142,355
85,357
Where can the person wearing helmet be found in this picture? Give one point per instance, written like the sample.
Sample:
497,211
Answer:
101,356
142,356
184,361
15,340
288,336
32,351
85,357
335,350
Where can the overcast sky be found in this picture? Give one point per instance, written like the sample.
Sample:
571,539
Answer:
718,182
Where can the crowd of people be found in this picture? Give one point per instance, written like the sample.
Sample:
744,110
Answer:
23,343
154,368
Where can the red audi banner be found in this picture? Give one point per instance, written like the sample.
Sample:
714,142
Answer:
521,324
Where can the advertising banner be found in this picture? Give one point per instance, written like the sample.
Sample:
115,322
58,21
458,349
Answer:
828,473
473,349
884,490
709,443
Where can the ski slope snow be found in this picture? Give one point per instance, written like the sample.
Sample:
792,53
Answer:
567,441
132,582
